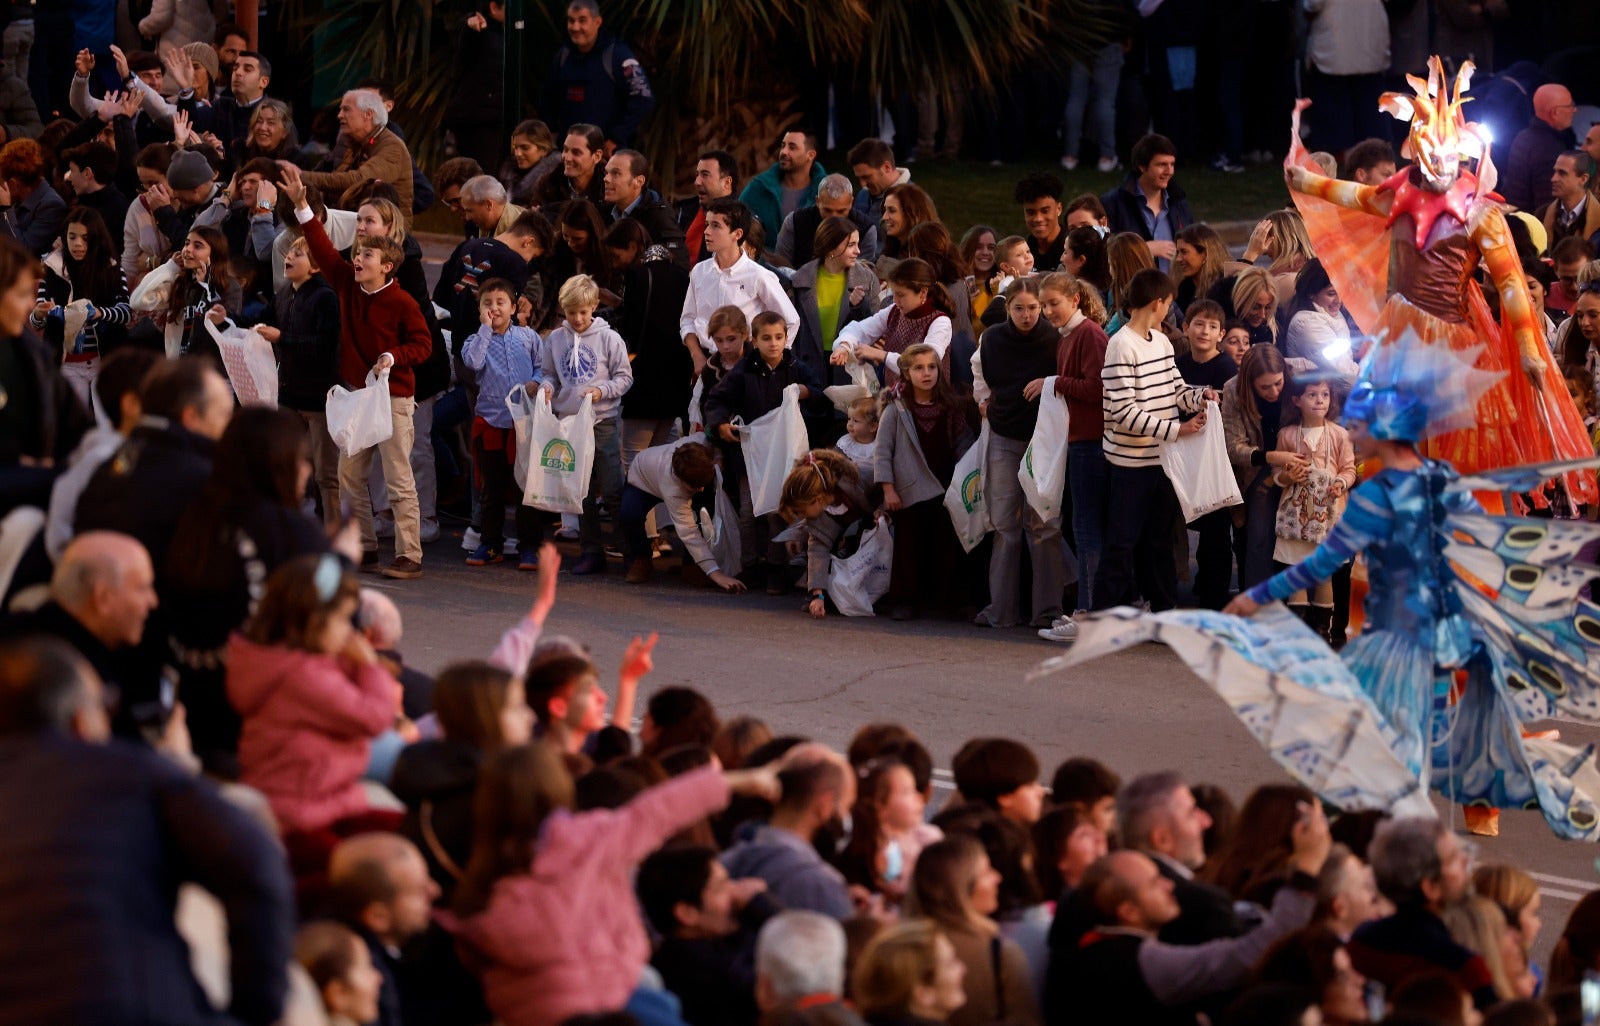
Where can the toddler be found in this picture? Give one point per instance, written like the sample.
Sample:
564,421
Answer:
730,338
860,433
1313,491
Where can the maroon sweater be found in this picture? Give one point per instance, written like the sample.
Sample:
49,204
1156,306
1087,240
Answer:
1079,358
371,323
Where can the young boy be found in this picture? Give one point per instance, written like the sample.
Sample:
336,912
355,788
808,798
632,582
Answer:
503,356
860,435
754,387
1144,395
303,326
1012,259
584,357
1089,784
1206,366
567,700
1002,774
672,474
729,278
1236,340
380,328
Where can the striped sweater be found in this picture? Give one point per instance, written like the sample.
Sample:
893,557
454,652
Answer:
1143,396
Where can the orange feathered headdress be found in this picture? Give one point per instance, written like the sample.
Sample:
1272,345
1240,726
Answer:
1440,136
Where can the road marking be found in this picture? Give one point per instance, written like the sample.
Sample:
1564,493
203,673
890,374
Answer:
1565,881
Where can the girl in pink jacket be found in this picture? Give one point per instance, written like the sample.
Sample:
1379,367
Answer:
545,913
312,696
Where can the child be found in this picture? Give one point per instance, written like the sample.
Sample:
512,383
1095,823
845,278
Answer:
1002,774
921,312
584,357
672,474
824,490
887,831
730,337
380,328
1092,786
923,436
1014,355
503,356
1073,307
1207,366
340,965
861,432
83,266
195,283
567,700
1013,259
1236,340
751,389
1313,492
303,326
312,694
1144,395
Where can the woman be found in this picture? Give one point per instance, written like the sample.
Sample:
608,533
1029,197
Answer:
1252,297
245,523
904,207
1255,862
1478,924
1197,261
1519,900
956,887
1066,842
1021,911
1316,960
1126,255
144,248
1252,410
1578,950
909,975
1282,239
1084,256
1317,330
830,291
271,134
579,248
977,251
194,286
1578,339
533,156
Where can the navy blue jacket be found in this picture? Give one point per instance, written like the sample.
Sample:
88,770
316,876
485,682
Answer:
474,262
606,87
1122,208
752,389
308,348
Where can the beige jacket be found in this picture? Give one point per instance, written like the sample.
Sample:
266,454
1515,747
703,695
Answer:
384,157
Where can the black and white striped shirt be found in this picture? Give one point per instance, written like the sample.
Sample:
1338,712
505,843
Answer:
1143,394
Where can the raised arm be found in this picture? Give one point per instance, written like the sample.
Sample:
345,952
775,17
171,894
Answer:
1351,195
1489,230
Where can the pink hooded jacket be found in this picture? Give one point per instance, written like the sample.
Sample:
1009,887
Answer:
567,938
308,726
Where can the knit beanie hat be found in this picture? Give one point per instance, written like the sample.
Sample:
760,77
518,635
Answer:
203,55
189,170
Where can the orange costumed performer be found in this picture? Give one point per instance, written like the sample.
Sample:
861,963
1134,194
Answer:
1414,244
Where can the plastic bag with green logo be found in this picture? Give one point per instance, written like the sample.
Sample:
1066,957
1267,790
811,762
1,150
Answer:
560,457
964,498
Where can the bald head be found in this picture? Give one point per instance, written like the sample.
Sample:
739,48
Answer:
105,581
1553,105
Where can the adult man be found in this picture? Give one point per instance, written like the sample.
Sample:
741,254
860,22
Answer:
708,923
92,933
624,188
1370,162
1039,194
1591,146
92,171
799,232
596,79
729,278
477,91
872,162
1347,893
447,183
374,152
581,156
1569,255
143,489
229,41
1149,203
1160,818
1120,971
191,197
1422,868
30,210
230,114
818,789
716,174
378,886
1570,214
485,205
800,971
786,186
1525,183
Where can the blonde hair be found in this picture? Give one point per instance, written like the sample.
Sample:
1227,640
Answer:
816,475
1073,287
866,408
1251,281
389,214
894,964
1478,924
1291,244
1005,247
579,291
299,243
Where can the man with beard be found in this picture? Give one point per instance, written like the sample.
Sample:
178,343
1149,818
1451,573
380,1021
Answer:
787,186
818,788
716,175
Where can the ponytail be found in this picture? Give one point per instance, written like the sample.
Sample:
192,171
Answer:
816,476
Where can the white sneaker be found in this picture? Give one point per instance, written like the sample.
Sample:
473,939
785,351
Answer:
1106,165
1063,630
1069,163
509,548
471,539
430,531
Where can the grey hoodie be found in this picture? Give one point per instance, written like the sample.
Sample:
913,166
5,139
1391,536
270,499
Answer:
570,363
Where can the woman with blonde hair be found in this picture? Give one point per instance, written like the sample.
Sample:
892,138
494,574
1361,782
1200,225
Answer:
908,974
1253,298
1518,897
1478,924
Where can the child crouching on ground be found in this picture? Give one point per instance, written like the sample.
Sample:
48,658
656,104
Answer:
671,474
824,489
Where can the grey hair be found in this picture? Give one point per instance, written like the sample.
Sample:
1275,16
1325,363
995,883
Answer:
1404,853
801,953
835,186
371,101
1142,806
483,189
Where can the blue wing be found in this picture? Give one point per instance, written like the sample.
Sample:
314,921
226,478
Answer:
1520,479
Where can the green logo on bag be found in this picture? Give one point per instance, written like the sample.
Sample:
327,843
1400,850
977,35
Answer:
972,490
558,455
1027,458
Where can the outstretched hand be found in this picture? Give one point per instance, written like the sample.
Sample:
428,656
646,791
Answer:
1242,605
293,186
637,661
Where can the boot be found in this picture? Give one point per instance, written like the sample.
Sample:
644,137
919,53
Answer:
1320,620
1302,610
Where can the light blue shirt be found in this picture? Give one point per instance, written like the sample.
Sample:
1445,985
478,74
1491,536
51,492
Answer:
502,363
1159,225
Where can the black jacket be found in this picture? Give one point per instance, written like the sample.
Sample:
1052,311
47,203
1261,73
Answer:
715,979
806,222
653,290
308,318
1205,911
433,374
474,262
477,95
1097,982
90,936
111,205
143,489
657,219
751,389
1122,208
123,670
436,780
42,419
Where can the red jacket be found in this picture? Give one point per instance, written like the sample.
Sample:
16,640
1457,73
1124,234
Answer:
371,323
1079,359
308,726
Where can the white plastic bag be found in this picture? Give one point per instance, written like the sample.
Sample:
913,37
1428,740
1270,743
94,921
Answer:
772,443
361,419
720,529
1198,467
863,384
521,407
251,364
856,582
1043,470
969,513
560,457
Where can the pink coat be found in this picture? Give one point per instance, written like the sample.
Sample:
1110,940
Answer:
308,725
566,938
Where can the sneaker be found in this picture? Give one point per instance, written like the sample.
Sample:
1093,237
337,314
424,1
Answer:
1063,630
510,547
588,564
1227,165
1106,165
528,561
471,539
566,533
1069,163
615,552
485,555
403,568
639,571
430,531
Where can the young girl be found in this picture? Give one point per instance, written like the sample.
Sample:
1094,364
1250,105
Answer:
860,434
546,907
923,434
83,266
920,312
533,156
1084,256
340,965
1313,490
194,284
730,334
887,830
824,490
312,695
1126,255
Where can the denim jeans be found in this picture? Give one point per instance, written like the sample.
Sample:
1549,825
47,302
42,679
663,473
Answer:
636,507
1047,551
1260,529
1088,478
605,482
1101,80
